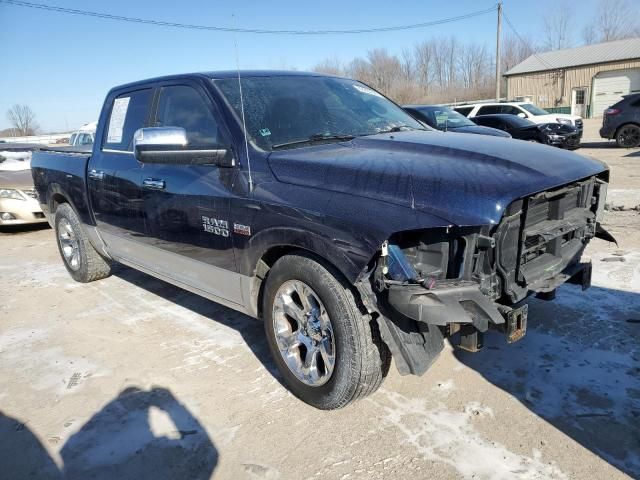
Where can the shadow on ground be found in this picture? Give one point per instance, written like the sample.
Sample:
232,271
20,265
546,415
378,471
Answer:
20,229
578,368
121,441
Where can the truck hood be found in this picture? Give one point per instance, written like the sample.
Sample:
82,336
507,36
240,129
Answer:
480,130
463,179
553,118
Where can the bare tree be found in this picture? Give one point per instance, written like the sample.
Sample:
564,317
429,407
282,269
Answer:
432,71
23,120
557,28
331,66
515,50
615,20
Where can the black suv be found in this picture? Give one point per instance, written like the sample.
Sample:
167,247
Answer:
622,122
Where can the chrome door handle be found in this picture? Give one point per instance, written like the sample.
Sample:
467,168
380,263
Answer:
153,183
96,174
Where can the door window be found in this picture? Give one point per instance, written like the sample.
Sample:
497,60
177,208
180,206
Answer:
510,109
129,112
488,110
487,122
182,106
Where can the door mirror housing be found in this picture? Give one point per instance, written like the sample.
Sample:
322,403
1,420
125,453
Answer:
169,145
522,115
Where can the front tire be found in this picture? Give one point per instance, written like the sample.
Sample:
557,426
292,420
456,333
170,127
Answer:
81,260
628,136
328,352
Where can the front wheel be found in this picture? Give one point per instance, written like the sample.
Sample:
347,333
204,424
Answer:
82,261
628,136
328,352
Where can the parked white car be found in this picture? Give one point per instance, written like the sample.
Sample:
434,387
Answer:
522,109
85,135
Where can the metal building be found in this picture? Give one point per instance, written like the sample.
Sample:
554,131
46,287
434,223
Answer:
582,81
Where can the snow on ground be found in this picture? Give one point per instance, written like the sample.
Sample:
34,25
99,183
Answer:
14,161
578,365
449,436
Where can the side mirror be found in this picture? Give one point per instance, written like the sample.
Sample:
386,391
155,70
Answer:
522,115
169,145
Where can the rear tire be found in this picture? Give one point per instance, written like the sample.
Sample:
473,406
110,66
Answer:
628,136
81,260
352,360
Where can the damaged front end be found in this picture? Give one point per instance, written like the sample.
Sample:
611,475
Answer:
427,285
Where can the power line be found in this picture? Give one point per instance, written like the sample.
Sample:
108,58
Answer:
540,59
161,23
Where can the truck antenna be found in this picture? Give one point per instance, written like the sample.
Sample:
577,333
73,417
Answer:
244,124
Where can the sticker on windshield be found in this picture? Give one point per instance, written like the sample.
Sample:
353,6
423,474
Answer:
116,122
441,119
265,132
366,90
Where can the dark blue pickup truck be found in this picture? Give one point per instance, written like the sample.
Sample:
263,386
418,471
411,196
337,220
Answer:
319,206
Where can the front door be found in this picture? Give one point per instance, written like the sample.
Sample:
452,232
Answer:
578,102
187,206
113,175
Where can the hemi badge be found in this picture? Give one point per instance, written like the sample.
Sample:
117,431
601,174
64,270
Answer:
241,229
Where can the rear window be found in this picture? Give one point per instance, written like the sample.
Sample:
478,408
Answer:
129,112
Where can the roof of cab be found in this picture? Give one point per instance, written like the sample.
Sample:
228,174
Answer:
223,74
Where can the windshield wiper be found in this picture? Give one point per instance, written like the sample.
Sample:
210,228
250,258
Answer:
317,137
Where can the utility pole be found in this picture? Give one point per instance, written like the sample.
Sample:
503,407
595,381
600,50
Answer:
498,80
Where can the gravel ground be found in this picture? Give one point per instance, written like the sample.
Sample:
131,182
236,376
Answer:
130,377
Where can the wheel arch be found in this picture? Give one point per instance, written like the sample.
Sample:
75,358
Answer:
332,257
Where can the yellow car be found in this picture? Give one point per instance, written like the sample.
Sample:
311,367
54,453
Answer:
18,199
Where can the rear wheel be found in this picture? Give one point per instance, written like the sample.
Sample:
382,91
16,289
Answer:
82,261
328,352
628,136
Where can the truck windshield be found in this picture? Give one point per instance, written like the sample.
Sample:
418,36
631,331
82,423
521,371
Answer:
444,118
294,111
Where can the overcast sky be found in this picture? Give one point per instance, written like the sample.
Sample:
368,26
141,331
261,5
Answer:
63,65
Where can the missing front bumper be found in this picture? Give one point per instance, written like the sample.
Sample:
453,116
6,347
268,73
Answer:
456,302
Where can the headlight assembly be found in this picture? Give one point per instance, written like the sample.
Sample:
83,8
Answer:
564,121
12,194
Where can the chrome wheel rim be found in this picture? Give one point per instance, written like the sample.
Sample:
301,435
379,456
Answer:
304,333
68,244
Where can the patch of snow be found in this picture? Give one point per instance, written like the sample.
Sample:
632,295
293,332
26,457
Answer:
48,368
443,435
15,161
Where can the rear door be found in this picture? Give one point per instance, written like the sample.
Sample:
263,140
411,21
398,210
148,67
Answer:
113,175
186,207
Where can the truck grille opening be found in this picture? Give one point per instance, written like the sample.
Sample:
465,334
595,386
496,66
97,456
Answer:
541,235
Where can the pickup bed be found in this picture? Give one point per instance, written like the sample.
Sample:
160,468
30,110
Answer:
320,207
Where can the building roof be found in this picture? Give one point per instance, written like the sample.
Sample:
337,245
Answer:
572,57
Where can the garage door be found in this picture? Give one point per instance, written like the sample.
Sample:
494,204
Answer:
609,87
